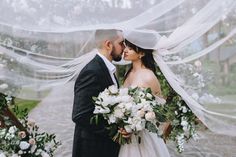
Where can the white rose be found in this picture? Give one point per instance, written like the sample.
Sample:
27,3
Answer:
12,129
4,86
128,128
139,106
128,106
150,116
126,98
24,145
123,91
118,99
118,113
121,105
113,89
147,107
141,113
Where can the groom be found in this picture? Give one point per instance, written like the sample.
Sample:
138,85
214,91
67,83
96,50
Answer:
92,140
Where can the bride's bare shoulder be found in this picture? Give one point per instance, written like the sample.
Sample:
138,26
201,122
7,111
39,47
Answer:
150,80
148,75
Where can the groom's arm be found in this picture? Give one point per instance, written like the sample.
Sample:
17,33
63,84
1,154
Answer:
87,85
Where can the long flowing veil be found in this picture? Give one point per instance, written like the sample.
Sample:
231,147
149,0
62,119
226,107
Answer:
45,44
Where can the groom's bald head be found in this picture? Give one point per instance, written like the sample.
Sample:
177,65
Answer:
103,35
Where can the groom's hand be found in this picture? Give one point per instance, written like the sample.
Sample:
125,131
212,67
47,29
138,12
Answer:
124,133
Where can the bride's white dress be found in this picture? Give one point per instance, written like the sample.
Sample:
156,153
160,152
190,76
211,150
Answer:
150,146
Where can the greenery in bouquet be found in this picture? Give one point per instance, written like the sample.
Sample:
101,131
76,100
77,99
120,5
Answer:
133,109
183,122
26,141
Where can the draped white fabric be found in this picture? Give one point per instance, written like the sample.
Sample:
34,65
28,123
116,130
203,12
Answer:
46,43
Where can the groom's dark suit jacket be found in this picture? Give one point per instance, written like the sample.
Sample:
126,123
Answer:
91,140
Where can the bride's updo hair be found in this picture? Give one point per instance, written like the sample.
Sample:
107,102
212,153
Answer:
147,60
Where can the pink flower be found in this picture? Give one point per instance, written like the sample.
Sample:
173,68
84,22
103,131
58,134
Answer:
22,134
32,141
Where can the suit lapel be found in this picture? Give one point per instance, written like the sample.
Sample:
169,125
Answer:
104,70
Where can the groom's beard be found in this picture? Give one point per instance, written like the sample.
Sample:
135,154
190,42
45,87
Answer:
115,56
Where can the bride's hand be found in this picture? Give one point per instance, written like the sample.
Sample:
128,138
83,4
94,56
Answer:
124,133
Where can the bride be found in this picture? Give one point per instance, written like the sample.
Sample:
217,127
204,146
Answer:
142,74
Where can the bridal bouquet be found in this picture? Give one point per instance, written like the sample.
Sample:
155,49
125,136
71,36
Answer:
133,109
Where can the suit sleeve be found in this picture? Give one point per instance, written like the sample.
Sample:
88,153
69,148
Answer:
87,85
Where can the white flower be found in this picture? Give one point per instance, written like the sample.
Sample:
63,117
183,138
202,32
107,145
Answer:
121,105
184,109
38,151
112,118
107,100
44,154
123,91
14,155
118,112
141,113
128,106
113,89
147,107
160,100
126,98
128,128
12,129
176,113
150,116
184,123
4,86
139,125
24,145
103,110
2,154
149,95
33,148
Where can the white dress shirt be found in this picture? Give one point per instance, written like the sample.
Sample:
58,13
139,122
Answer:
110,66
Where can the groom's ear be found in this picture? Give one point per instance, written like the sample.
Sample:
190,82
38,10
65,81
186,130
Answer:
108,45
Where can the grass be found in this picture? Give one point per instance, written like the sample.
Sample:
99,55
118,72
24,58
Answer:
25,104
